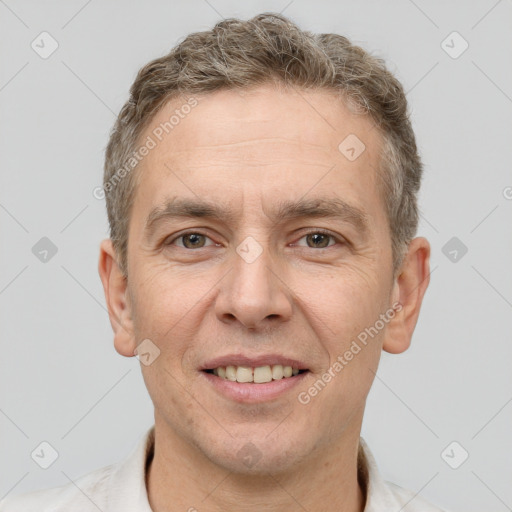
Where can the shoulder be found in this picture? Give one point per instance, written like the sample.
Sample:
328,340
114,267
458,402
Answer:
119,486
87,493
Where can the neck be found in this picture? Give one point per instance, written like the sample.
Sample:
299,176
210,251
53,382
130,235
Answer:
181,478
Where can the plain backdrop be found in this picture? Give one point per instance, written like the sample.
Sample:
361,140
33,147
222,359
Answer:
61,380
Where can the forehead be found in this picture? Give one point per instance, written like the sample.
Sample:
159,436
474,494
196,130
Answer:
261,145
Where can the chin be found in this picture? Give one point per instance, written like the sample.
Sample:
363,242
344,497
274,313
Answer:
254,463
259,454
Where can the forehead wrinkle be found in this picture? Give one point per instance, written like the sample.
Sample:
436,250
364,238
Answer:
278,151
239,165
284,210
259,140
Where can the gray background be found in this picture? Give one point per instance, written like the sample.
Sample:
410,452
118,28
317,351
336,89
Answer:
61,380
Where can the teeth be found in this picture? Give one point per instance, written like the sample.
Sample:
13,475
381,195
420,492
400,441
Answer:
262,374
244,374
277,372
231,373
259,375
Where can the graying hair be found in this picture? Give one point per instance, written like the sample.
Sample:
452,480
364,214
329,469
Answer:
270,48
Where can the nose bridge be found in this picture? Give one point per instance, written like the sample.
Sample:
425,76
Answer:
253,292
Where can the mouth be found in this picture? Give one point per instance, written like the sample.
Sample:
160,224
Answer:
255,375
252,379
254,385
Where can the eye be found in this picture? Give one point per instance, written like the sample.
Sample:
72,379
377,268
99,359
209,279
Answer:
191,240
319,239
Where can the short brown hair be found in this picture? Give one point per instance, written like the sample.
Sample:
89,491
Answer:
269,48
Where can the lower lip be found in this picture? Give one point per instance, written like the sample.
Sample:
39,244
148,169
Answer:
247,392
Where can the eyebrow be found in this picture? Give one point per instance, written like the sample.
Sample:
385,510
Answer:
336,208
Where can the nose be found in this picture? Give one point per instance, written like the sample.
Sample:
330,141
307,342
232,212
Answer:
254,293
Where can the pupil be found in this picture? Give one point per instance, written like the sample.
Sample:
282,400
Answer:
315,238
193,239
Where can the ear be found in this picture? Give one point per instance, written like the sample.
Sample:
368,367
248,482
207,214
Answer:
116,296
408,291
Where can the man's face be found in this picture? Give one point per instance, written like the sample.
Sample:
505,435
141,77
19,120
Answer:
258,283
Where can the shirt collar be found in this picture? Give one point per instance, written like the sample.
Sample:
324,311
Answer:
128,481
379,496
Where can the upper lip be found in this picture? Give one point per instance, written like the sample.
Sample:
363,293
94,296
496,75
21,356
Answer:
253,361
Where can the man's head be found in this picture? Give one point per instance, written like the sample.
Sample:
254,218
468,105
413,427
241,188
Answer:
269,48
261,229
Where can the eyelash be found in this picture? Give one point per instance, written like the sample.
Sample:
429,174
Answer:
312,232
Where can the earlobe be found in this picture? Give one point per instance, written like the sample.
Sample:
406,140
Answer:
409,289
116,297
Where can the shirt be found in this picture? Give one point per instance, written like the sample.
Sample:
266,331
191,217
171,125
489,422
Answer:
121,487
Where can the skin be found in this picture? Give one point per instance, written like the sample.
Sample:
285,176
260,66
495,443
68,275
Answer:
302,297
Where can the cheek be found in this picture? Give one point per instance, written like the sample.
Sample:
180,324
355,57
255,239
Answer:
155,313
162,298
171,307
348,309
345,312
347,300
